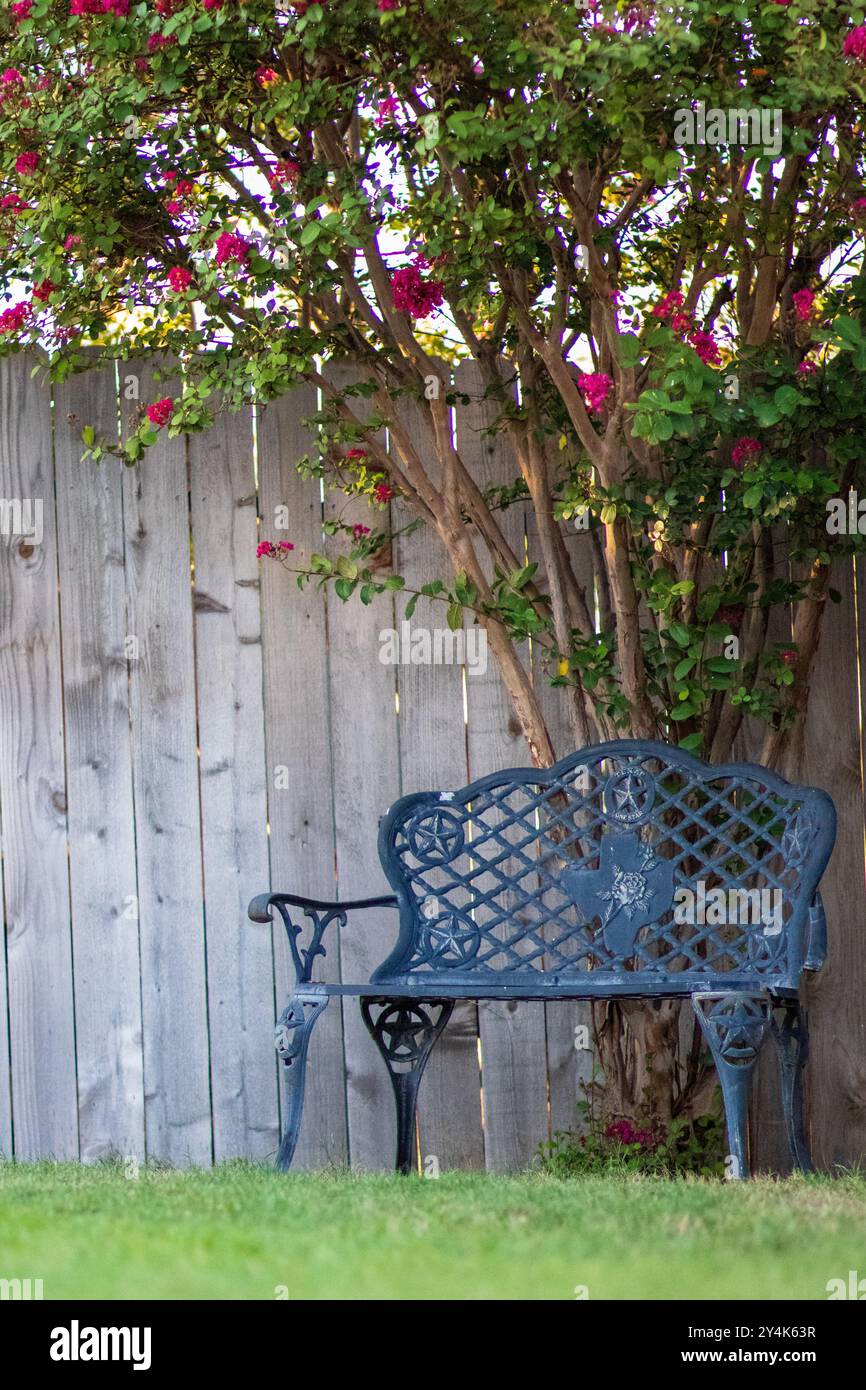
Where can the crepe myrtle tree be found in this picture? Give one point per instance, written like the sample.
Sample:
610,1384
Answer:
644,224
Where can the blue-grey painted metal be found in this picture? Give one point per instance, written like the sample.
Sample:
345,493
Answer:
630,869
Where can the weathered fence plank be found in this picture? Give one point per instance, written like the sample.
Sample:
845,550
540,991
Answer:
102,866
432,732
5,1077
298,748
240,958
168,828
33,785
568,1023
513,1043
363,710
836,1075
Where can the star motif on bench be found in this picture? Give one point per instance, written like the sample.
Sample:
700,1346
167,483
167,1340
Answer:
452,938
436,837
629,795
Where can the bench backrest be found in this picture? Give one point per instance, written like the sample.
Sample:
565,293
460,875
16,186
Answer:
630,859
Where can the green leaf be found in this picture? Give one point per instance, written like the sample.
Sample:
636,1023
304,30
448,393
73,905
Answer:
310,233
691,742
680,633
410,607
455,616
683,667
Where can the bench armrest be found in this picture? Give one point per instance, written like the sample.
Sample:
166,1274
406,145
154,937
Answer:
321,914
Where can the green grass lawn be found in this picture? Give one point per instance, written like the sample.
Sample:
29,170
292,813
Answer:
241,1231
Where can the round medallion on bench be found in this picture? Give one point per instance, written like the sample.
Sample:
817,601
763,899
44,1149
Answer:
629,796
451,939
435,837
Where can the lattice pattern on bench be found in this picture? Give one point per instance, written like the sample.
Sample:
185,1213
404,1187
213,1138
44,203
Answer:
538,875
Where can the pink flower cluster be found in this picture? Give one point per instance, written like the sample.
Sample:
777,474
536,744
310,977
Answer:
179,278
21,10
596,387
160,412
414,296
388,107
624,1132
803,301
285,171
670,308
80,7
807,367
268,548
383,493
855,44
266,77
11,202
27,163
13,319
745,449
44,290
359,531
232,247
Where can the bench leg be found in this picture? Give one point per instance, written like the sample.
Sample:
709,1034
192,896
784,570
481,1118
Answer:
404,1030
292,1039
735,1026
791,1037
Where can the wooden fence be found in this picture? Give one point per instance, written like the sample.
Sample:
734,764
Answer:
174,738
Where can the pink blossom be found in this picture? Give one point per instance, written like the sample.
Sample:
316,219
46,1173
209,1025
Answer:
807,367
72,242
44,290
12,203
179,278
666,305
858,207
266,77
706,347
596,387
27,163
356,454
166,8
13,319
79,7
744,449
118,7
359,531
386,5
383,493
21,10
855,44
285,171
12,77
414,296
388,107
160,412
213,4
231,247
268,548
158,41
804,299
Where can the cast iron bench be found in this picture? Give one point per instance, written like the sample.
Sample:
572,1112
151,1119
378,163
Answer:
573,883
